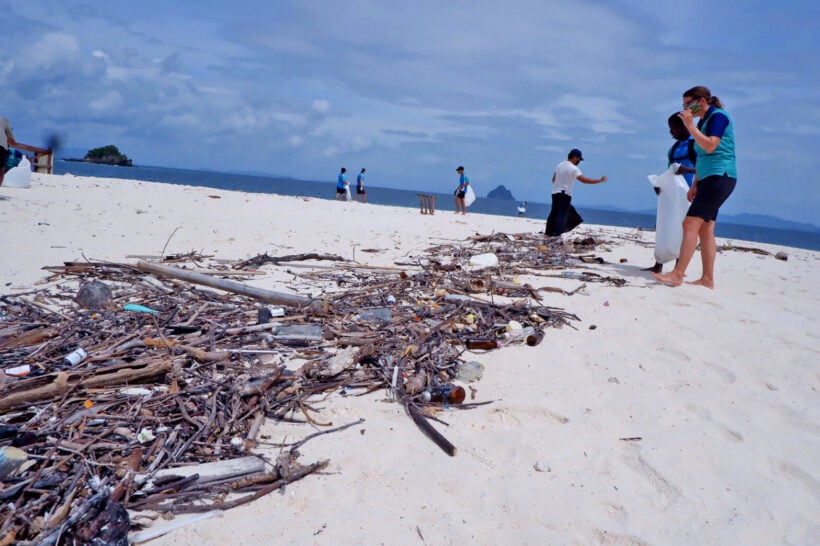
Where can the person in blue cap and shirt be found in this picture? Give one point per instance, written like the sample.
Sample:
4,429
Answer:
461,191
563,216
342,185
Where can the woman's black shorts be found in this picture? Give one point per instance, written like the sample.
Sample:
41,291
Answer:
712,192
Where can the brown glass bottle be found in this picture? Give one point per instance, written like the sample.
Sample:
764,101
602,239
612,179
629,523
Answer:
447,394
535,338
485,343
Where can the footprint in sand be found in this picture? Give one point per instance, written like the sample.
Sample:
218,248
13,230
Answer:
633,459
803,478
518,415
676,354
705,415
724,374
616,539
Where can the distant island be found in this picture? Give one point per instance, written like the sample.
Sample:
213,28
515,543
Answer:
501,192
107,155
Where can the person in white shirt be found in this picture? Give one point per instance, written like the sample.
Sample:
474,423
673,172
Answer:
563,216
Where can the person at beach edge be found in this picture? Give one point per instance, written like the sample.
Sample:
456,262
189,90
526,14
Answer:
683,153
461,191
715,180
341,185
360,191
565,175
6,141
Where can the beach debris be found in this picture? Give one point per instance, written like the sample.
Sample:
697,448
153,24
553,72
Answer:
75,357
94,295
469,371
782,256
137,308
11,458
160,398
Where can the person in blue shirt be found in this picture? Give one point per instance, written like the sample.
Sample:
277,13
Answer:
360,191
461,191
6,142
341,185
715,180
683,153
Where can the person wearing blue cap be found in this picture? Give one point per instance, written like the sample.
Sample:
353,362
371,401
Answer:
461,190
563,217
342,185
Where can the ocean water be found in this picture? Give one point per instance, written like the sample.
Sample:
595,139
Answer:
409,198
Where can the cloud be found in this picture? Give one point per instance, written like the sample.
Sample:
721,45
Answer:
321,105
295,88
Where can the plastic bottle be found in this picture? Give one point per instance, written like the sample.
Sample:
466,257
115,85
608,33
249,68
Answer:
484,343
444,394
521,333
75,358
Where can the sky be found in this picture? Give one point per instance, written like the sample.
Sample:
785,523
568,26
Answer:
411,90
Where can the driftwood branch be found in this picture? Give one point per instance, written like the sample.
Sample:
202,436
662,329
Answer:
260,294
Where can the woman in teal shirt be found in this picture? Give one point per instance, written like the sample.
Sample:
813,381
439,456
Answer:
715,179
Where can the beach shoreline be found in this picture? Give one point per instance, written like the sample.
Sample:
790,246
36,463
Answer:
663,416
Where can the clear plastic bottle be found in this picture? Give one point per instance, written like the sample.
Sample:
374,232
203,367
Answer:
75,358
521,333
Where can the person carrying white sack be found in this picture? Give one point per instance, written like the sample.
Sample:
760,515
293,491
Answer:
6,141
672,208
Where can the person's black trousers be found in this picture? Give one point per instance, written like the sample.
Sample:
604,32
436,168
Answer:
563,216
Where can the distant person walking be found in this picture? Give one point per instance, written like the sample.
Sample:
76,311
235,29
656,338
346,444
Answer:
683,153
6,141
563,217
341,185
522,209
461,191
360,191
714,182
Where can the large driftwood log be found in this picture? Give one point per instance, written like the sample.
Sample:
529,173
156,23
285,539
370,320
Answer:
260,294
211,472
53,385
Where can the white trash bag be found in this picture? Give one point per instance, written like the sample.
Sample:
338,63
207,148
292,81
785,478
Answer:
469,196
672,207
19,176
484,260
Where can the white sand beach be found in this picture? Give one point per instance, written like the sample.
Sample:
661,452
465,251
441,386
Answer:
686,416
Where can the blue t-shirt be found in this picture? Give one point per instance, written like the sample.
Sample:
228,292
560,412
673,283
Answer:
463,182
721,161
340,185
360,181
679,153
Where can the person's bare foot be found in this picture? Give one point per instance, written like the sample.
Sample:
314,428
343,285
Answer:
670,279
703,282
464,213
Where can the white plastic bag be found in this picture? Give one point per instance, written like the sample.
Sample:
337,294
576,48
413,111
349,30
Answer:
672,207
484,260
19,176
469,196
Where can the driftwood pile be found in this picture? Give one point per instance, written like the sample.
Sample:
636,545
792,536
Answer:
130,391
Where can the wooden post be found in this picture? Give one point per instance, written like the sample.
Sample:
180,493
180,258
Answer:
427,203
